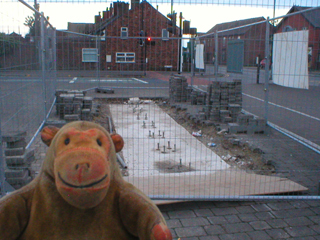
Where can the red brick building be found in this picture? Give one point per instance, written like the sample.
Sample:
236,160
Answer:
310,21
135,39
253,37
126,45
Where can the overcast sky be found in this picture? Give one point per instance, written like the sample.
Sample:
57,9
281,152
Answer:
203,15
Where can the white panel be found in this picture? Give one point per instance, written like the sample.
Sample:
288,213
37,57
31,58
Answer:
290,59
199,56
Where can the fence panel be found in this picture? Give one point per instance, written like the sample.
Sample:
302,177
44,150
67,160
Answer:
27,65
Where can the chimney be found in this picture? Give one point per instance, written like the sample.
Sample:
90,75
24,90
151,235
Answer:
97,18
134,3
104,15
120,8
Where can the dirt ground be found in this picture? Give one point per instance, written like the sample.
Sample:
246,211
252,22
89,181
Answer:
231,148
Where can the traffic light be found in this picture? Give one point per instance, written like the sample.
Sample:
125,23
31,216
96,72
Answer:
149,41
172,22
141,40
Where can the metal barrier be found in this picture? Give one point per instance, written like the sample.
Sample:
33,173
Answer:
222,81
28,83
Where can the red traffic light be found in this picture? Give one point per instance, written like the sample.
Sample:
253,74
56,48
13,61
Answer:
149,41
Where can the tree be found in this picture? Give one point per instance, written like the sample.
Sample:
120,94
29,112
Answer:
30,22
33,22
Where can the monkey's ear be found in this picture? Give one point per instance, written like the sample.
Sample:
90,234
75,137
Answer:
117,141
48,133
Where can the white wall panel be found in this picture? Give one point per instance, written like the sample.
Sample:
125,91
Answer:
290,59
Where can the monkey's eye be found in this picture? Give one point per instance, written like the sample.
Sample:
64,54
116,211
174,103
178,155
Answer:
99,142
67,141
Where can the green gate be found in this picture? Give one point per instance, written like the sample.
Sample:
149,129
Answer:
235,56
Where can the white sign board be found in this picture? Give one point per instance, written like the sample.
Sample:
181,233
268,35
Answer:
290,59
199,56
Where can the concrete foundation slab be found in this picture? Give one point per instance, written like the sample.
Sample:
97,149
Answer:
203,172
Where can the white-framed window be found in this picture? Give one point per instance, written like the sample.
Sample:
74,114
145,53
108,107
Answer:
125,57
305,28
165,34
124,33
89,55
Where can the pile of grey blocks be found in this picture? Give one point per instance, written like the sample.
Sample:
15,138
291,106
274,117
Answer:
73,105
18,159
248,124
198,98
224,101
178,88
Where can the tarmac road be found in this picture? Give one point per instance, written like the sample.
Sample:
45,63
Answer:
296,110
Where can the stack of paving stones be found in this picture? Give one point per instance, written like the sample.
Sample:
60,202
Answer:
224,101
73,105
248,124
198,98
18,159
178,88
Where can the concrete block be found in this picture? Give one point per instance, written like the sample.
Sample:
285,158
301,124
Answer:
226,119
19,181
14,151
14,136
71,117
16,173
17,144
56,123
261,122
236,128
104,90
27,157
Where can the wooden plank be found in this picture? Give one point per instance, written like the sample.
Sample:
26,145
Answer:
218,183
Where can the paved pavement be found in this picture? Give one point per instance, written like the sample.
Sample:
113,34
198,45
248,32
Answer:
243,220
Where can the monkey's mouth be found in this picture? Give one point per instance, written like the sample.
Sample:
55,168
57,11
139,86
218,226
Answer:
82,186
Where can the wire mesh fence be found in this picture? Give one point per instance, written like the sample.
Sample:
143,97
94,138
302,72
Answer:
27,91
197,111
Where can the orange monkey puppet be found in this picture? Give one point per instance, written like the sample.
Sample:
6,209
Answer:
80,193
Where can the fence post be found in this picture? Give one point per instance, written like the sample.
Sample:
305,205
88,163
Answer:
192,59
2,162
98,57
54,50
266,81
43,59
215,54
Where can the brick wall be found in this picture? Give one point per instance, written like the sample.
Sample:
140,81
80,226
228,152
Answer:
143,17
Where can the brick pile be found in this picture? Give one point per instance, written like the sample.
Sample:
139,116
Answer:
18,159
224,101
248,124
178,88
198,98
73,105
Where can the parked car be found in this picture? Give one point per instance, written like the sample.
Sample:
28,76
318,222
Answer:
263,64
